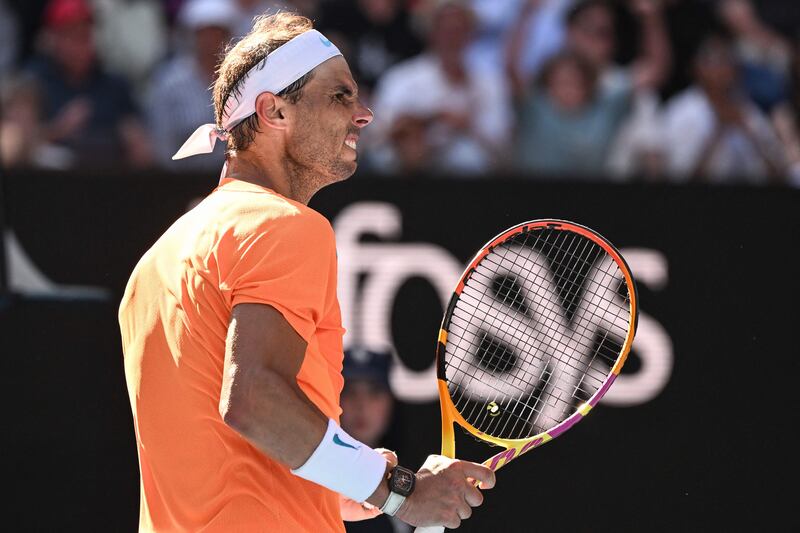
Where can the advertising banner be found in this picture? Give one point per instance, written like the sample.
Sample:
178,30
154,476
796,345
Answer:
695,435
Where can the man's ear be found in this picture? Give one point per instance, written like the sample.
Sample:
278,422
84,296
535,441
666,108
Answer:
271,110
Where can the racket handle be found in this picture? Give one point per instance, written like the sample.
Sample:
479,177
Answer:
430,529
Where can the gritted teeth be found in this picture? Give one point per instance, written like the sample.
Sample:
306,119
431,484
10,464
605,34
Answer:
351,142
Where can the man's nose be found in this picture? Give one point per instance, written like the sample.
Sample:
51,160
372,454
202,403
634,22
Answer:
363,116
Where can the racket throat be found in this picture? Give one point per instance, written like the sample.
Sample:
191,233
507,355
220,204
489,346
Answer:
448,432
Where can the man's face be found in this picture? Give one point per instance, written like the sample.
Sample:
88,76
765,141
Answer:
451,30
567,86
327,119
715,66
73,48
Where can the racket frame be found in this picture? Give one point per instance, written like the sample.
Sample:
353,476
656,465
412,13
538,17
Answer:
517,447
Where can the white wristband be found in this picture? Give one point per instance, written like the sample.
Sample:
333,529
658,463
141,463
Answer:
344,465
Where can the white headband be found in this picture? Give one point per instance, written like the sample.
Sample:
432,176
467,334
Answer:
282,67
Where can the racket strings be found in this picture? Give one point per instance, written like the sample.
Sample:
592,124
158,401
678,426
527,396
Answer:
549,373
525,348
610,357
528,348
506,358
526,315
574,285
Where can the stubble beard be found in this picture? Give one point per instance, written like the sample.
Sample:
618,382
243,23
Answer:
310,169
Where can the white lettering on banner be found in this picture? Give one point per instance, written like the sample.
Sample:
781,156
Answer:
25,277
600,309
385,266
652,343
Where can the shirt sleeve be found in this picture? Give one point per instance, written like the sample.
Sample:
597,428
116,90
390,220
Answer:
285,263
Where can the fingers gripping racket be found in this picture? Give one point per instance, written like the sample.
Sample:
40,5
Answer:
535,333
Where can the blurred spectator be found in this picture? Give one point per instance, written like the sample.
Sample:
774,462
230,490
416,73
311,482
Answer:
794,101
367,400
566,122
464,105
713,131
250,9
688,23
22,143
367,408
786,116
576,113
493,19
537,33
763,55
590,32
411,150
373,35
9,40
131,37
180,97
765,59
87,110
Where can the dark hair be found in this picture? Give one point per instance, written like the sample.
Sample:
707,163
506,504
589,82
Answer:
268,33
586,68
581,6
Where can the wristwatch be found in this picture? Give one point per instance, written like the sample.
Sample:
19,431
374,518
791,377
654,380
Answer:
401,485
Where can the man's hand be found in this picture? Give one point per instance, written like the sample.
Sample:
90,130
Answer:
72,118
445,492
646,8
353,511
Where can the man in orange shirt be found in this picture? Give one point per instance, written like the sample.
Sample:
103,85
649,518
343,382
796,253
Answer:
231,328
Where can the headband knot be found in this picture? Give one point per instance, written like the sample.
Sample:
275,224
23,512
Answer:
221,133
282,67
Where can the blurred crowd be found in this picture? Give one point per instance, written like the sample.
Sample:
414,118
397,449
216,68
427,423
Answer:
617,90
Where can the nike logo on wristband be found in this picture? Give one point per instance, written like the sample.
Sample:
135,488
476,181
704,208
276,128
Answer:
340,442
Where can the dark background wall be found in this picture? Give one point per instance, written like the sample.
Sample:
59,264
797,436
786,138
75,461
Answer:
713,451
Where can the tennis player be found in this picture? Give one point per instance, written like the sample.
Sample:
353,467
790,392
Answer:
231,328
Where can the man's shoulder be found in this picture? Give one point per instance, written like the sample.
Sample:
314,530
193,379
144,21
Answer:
253,207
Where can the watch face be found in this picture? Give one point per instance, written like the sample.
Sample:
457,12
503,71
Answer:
402,481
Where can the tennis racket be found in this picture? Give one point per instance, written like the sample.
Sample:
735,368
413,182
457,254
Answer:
534,335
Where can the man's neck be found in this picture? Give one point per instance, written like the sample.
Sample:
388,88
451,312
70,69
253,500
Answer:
278,175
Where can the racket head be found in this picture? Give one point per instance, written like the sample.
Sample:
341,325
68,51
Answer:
536,331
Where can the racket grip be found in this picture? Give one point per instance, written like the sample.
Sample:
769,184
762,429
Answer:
430,529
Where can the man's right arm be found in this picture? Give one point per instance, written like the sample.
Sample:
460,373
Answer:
260,399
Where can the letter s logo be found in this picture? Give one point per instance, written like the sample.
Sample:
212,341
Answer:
371,273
